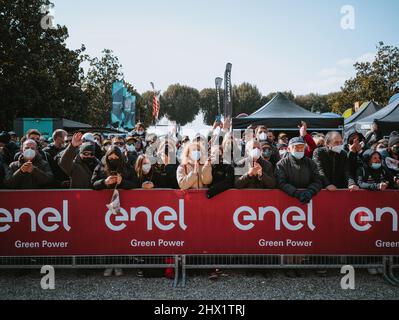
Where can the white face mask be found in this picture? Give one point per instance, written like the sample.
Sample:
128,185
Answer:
122,149
256,154
29,154
338,149
196,155
263,136
146,168
130,148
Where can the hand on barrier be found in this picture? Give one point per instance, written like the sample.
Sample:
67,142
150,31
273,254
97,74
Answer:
305,197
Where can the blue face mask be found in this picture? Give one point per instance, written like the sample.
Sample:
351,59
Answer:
384,153
376,166
298,155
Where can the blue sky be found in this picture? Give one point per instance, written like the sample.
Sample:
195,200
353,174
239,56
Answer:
296,45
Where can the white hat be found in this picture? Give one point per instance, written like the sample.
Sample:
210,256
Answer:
88,137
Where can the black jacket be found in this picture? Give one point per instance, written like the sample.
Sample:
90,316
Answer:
167,176
223,179
267,181
293,174
40,178
369,178
333,168
129,179
79,172
60,177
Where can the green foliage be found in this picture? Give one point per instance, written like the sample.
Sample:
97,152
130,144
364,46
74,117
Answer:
373,81
39,75
102,74
180,103
246,98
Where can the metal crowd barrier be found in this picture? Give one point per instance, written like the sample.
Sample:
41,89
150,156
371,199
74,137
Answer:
95,262
387,264
181,264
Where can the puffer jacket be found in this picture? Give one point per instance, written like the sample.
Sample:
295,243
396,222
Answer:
187,179
293,174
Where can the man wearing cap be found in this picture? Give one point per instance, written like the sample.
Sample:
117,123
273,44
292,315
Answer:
333,165
31,171
78,161
296,174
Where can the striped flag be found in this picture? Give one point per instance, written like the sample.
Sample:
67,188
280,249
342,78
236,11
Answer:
156,105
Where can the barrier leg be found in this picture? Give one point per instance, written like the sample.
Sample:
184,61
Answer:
388,273
176,279
183,270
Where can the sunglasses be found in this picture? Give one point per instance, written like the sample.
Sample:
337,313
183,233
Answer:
119,144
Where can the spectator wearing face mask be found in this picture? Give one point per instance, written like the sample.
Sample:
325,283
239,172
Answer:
195,170
270,153
392,155
296,174
34,135
114,173
373,175
148,177
139,131
89,138
263,135
131,152
31,171
258,171
332,164
78,161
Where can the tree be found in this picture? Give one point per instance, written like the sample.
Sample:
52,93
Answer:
313,102
180,103
39,75
374,80
102,74
246,98
209,105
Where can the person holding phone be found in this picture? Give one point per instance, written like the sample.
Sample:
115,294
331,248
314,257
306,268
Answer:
113,172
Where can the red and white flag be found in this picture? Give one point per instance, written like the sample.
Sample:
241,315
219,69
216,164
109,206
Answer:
156,105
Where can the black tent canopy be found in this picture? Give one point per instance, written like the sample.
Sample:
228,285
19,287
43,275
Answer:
387,119
367,109
281,113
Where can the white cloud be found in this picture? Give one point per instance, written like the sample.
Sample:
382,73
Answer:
333,78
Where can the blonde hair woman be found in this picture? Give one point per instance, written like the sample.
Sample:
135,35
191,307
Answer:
195,170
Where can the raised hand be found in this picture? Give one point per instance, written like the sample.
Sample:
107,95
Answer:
77,139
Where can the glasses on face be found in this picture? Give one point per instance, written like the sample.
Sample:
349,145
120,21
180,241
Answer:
119,144
88,154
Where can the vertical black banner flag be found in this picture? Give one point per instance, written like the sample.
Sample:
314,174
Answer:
218,82
228,92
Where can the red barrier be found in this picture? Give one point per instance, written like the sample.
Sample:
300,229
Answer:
34,223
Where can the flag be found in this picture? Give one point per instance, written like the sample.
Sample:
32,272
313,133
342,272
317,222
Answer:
115,204
218,83
156,106
228,94
347,113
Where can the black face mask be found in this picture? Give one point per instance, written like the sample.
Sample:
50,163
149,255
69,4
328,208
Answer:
89,161
114,164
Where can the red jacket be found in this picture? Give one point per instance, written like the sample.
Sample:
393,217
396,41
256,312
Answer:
311,146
